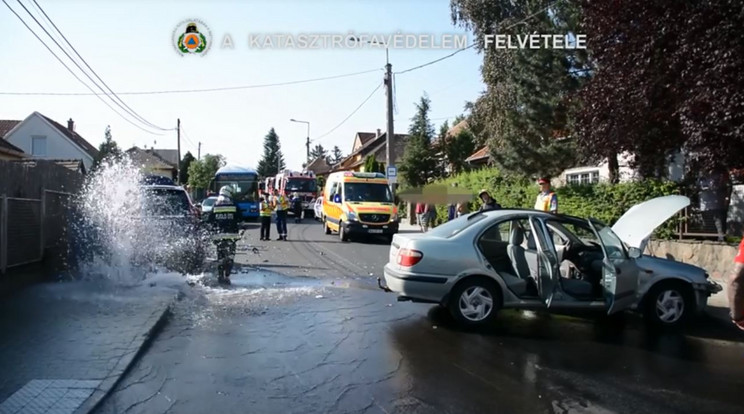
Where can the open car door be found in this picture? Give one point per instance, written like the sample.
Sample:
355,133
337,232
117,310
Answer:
547,262
619,273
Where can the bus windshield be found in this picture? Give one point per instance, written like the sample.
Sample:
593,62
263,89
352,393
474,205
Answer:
303,185
244,188
368,192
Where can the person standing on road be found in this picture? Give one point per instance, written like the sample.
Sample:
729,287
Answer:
281,205
736,289
420,215
547,199
297,207
428,217
714,191
265,213
488,202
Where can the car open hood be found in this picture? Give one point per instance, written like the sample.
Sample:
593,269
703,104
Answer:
642,219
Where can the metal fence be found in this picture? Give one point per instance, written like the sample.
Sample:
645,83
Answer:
29,227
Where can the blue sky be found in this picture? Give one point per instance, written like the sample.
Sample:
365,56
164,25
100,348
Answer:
129,45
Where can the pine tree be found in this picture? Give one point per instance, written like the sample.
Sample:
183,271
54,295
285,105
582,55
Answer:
108,151
318,151
272,156
336,155
419,163
184,167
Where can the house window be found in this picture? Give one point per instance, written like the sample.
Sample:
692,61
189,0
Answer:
583,178
39,146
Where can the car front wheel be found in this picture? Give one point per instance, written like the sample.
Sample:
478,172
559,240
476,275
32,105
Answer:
669,305
475,302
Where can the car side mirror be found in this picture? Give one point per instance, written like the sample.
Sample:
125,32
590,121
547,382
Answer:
337,198
634,253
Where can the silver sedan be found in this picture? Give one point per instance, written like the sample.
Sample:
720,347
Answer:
528,259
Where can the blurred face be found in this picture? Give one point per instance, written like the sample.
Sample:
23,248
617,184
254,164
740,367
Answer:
485,198
544,186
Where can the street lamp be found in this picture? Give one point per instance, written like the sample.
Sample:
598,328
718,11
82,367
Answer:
389,92
307,143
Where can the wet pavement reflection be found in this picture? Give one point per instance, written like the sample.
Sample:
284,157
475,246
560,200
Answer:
271,343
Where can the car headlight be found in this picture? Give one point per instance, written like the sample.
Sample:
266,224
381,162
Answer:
394,217
351,216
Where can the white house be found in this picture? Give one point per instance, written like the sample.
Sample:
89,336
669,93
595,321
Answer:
43,138
592,174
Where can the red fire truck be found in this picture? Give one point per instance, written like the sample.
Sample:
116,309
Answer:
303,183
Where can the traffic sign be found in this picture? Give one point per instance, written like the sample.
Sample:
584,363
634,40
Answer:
392,172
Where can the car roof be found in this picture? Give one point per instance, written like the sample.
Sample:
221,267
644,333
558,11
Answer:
533,212
164,187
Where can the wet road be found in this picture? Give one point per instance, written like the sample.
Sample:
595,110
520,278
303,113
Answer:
325,341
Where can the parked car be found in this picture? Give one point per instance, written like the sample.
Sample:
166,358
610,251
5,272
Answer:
318,207
173,231
529,259
207,204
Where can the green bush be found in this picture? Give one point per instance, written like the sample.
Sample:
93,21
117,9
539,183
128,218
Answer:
605,202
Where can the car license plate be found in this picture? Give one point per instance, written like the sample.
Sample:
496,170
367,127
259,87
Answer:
375,230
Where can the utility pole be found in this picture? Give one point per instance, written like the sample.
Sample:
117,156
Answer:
390,133
307,144
198,153
178,163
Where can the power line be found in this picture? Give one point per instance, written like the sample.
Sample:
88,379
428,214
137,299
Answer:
475,43
351,114
227,88
130,110
72,72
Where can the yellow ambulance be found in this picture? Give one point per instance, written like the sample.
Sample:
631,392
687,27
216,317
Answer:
359,204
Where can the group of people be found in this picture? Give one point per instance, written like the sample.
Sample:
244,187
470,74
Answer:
278,204
547,200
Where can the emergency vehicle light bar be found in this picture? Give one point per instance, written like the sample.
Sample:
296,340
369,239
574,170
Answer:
364,175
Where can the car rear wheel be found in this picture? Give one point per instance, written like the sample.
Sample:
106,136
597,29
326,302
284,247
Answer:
475,302
669,305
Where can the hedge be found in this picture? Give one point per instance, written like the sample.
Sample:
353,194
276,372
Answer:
606,202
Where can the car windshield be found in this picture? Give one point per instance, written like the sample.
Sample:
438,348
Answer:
367,192
209,202
166,202
305,185
244,190
453,227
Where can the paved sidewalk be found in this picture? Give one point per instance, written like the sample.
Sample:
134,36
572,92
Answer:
63,346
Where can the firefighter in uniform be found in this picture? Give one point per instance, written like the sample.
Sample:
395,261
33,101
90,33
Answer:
265,213
281,205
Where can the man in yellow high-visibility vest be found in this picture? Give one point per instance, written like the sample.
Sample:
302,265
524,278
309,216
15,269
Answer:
547,199
281,205
265,213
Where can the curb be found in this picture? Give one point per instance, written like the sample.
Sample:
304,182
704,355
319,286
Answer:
125,364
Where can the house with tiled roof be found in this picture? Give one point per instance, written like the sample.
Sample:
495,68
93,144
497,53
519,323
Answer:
151,162
43,138
369,143
479,158
319,166
9,151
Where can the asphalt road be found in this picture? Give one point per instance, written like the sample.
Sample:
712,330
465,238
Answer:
303,329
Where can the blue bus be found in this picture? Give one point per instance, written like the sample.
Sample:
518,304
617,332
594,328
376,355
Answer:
245,185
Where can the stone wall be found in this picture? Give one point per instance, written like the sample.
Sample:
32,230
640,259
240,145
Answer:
716,258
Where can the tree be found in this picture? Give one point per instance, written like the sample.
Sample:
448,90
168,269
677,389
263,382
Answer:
527,103
419,163
336,155
318,151
666,78
184,167
458,119
272,156
371,165
108,151
457,149
201,172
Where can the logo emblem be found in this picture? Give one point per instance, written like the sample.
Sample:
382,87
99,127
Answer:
192,37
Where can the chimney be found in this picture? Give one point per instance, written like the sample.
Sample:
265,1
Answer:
379,133
71,125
